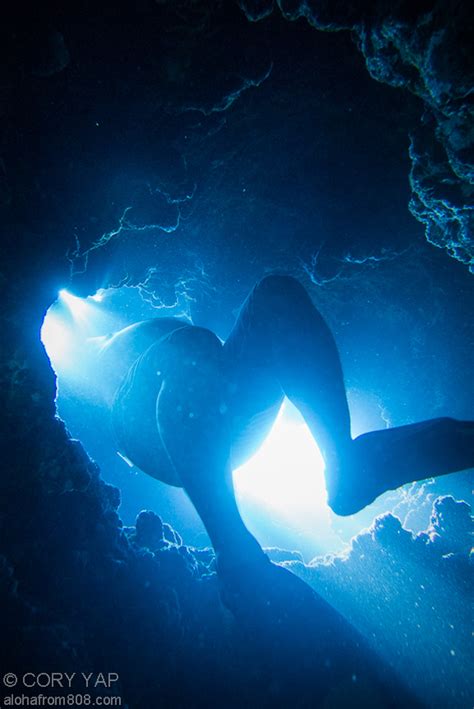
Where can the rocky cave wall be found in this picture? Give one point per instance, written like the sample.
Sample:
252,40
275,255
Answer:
424,48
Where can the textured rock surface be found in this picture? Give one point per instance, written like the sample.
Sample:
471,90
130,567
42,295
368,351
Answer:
424,48
416,572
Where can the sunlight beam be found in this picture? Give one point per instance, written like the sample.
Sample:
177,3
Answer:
283,484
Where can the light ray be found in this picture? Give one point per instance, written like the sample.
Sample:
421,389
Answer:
284,482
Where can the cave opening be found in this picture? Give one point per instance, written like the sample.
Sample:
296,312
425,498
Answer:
280,490
200,145
353,245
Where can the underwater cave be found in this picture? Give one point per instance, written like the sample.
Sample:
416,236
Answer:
157,160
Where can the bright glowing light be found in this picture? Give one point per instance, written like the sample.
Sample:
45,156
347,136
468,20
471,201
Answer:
55,337
125,459
288,467
77,306
67,327
285,481
99,296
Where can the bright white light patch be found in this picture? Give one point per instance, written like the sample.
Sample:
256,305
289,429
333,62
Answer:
288,470
55,337
77,306
283,484
69,322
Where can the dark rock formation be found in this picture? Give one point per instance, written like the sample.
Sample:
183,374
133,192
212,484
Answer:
425,48
80,595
